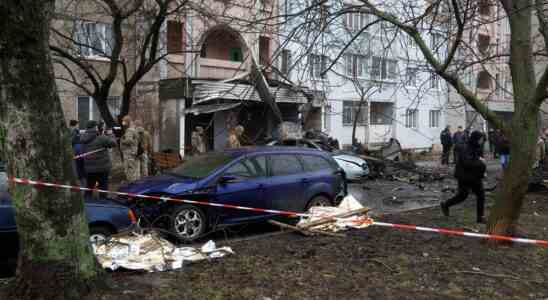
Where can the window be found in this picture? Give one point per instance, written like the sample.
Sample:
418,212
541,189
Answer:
411,118
286,62
356,20
484,7
381,113
410,41
247,168
315,163
484,41
437,41
94,39
383,68
285,165
355,65
434,81
468,78
175,37
88,110
484,80
435,118
412,76
350,112
264,51
234,53
318,63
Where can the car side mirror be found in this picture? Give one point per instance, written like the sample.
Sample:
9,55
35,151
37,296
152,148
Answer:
227,179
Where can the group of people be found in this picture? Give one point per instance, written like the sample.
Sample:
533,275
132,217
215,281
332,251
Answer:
455,142
198,139
92,149
470,165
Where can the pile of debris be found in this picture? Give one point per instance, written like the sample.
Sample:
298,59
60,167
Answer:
152,253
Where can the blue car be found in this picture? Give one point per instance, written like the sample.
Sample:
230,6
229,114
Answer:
282,178
105,218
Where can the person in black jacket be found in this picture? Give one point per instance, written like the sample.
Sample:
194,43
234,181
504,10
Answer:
446,142
459,140
98,164
469,172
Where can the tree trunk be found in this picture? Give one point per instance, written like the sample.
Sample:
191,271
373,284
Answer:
524,130
55,258
355,124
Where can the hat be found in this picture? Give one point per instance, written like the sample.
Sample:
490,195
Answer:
91,124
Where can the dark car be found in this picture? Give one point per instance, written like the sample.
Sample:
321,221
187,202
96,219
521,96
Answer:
105,217
282,178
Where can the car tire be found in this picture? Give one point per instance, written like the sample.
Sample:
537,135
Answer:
99,234
188,222
319,201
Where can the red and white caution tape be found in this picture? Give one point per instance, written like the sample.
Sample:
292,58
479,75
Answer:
150,197
89,153
464,233
367,221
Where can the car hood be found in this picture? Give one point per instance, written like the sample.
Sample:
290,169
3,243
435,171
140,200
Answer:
350,158
163,184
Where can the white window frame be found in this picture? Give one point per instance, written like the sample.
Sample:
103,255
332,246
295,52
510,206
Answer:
435,116
91,108
316,64
385,72
355,21
434,81
84,37
356,65
412,77
353,110
411,118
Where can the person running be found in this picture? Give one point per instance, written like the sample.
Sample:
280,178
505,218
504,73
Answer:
469,172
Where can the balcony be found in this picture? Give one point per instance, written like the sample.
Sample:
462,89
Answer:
220,69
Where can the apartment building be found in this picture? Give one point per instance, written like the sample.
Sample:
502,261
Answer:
380,83
207,77
487,36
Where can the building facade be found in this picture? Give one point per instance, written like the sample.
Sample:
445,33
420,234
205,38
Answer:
380,83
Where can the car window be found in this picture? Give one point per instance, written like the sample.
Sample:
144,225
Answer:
247,168
313,163
201,166
285,165
260,164
240,170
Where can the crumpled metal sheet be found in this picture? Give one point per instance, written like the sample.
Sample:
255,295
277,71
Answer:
348,204
150,252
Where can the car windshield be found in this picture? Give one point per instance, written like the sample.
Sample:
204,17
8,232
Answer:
202,165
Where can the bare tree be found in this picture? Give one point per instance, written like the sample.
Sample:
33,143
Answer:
97,43
55,258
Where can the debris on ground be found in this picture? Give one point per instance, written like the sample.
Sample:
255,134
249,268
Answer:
349,214
150,252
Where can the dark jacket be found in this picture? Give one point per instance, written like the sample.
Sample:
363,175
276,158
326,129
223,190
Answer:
469,167
75,136
445,138
459,138
502,144
98,162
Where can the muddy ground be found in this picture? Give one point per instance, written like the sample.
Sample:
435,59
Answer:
374,263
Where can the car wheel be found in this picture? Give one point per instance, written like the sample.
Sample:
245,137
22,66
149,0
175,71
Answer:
99,234
319,201
188,222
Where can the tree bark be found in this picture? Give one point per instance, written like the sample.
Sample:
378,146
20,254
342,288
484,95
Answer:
524,130
55,258
358,112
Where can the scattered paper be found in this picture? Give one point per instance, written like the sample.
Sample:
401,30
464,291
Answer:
151,253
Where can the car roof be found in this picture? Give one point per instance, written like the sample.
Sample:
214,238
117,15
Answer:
272,150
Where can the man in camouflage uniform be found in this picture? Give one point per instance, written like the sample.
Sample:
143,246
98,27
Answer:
234,137
129,147
145,148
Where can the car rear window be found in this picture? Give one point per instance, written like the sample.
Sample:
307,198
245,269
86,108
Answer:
313,163
285,164
201,166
